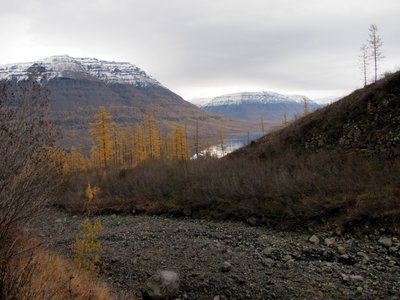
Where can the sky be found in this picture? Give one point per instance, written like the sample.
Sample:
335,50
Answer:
211,47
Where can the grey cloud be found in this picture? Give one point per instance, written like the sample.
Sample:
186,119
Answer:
299,45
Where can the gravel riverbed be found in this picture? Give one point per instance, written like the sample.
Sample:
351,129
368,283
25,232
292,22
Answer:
227,260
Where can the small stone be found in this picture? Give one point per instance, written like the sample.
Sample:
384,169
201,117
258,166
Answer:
341,249
392,263
356,278
287,258
314,239
58,220
267,251
217,297
345,277
226,266
363,255
329,241
385,241
268,262
163,285
252,221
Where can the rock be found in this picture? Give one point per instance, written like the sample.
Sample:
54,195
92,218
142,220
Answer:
363,255
345,277
385,241
161,286
341,249
287,257
346,260
217,297
252,221
356,278
329,241
268,262
267,251
226,266
314,239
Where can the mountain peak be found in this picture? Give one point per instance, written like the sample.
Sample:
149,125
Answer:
70,67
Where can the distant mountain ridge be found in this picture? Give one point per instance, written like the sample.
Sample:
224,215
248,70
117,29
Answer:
78,86
254,106
79,68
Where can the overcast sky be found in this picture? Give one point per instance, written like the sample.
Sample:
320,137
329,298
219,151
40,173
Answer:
205,48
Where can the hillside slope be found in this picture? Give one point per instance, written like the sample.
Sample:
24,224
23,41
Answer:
366,121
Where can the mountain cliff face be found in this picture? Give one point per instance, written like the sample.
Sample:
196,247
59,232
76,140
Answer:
78,86
254,106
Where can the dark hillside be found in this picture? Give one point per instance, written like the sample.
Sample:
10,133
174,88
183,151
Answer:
366,121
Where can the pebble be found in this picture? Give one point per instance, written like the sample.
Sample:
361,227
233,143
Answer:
314,239
329,241
226,266
356,278
341,249
385,241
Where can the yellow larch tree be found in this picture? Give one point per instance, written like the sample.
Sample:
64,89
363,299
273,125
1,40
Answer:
139,151
117,147
153,138
180,146
128,146
100,132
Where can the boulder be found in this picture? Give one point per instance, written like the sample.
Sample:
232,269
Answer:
161,286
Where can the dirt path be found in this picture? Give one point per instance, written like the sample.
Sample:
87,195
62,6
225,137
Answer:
259,263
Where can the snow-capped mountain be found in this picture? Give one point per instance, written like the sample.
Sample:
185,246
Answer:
78,86
66,66
255,98
255,106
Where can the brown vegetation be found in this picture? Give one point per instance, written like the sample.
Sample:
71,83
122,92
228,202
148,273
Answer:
30,176
339,164
39,274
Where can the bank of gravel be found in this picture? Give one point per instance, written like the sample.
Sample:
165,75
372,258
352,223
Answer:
226,260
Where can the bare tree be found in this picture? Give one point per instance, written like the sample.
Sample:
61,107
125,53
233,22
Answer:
27,174
375,44
363,60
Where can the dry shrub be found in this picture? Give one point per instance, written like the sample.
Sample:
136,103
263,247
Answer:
41,274
288,190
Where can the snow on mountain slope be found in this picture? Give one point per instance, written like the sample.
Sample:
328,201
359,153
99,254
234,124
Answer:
200,102
255,98
66,66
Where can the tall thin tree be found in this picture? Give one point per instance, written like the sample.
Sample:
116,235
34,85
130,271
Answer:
375,44
363,60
